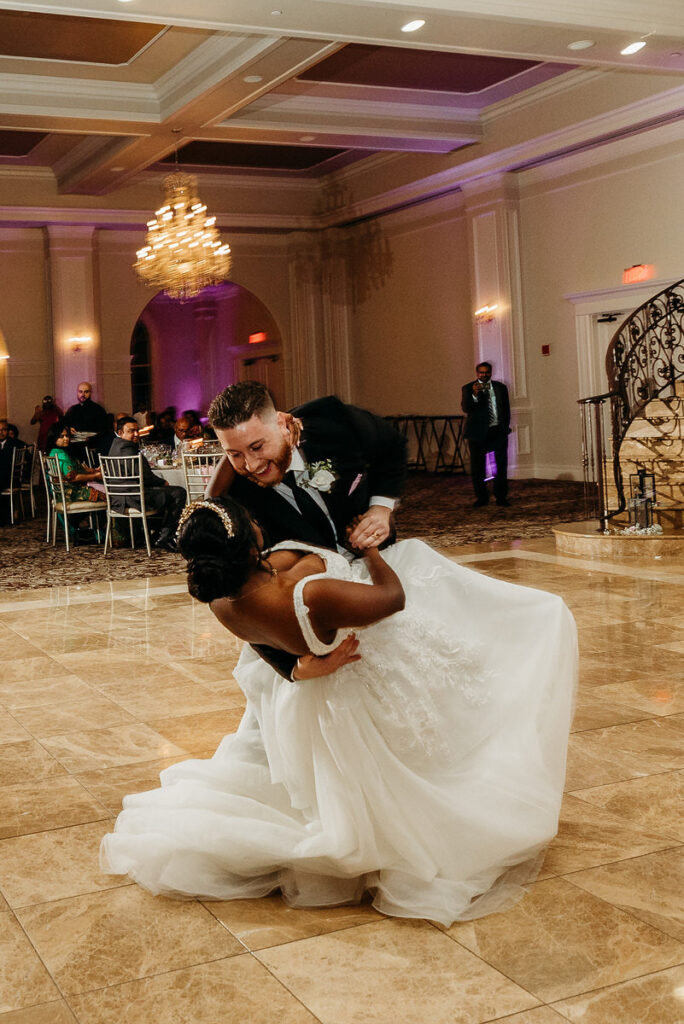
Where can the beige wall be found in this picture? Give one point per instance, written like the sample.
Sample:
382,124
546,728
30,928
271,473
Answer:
412,326
25,324
579,232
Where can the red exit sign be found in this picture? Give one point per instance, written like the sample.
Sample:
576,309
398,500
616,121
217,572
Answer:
639,272
254,339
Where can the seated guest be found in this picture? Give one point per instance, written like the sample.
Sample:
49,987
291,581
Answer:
163,431
184,430
111,435
46,414
167,500
81,482
13,432
7,446
194,417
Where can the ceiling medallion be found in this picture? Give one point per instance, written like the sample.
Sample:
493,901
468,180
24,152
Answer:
183,251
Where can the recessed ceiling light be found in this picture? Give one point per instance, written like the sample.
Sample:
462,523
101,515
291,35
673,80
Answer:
633,48
307,138
116,170
413,26
581,44
125,1
276,14
253,78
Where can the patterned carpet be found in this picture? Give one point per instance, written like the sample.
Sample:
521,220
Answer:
436,508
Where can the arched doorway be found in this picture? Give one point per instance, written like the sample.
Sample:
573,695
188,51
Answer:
184,353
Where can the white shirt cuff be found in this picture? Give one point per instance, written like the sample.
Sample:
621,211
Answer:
389,503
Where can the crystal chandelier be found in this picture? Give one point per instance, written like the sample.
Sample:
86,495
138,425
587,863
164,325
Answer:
183,251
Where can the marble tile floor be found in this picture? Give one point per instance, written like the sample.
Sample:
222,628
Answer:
103,686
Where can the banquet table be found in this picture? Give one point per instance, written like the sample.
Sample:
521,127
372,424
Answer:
173,474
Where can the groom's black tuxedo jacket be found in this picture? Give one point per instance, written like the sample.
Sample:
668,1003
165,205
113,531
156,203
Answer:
368,457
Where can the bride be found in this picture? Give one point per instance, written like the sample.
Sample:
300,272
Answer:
427,770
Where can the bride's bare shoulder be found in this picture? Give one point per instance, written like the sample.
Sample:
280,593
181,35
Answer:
264,613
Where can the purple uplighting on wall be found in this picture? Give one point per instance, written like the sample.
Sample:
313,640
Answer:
199,347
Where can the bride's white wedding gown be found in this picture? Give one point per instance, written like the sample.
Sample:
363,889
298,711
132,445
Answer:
429,773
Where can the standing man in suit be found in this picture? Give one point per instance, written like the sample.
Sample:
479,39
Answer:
326,473
488,416
167,500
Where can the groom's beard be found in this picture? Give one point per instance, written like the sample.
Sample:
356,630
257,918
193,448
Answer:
280,461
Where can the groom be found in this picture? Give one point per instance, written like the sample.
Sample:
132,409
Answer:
326,473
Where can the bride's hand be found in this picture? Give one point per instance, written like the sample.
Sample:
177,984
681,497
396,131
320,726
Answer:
294,427
309,666
370,529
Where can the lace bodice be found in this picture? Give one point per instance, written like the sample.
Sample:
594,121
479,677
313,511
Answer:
336,567
411,666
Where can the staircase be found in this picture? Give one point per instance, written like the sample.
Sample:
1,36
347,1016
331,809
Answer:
654,441
641,415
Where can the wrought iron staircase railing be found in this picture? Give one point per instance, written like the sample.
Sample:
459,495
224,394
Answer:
644,360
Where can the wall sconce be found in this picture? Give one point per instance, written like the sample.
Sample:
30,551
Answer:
4,357
77,342
484,314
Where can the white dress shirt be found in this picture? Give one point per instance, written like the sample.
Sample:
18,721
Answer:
300,467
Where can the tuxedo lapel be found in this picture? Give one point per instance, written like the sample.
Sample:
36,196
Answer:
283,521
349,469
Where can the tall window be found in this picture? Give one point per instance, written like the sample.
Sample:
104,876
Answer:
141,369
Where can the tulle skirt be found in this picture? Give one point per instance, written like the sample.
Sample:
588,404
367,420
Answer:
428,774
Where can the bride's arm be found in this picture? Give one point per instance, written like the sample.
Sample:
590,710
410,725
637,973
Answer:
334,604
221,479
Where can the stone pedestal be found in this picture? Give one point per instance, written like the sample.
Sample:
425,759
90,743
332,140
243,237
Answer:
586,540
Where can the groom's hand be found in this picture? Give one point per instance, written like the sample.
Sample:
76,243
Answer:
370,529
311,666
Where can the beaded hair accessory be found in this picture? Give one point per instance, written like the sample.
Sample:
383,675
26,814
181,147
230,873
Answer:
213,507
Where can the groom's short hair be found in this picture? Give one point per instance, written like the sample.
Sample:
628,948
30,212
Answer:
239,402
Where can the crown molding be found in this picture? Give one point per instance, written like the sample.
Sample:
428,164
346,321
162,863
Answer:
30,173
539,93
307,106
78,97
111,219
601,296
642,117
229,182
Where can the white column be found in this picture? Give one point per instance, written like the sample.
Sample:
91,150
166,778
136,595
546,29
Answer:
335,302
75,312
492,211
303,356
25,335
319,361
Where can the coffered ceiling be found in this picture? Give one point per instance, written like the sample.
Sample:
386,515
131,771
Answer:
101,90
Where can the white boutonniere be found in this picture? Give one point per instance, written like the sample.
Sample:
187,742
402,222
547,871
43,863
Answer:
319,475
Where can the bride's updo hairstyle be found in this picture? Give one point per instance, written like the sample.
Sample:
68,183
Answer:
217,539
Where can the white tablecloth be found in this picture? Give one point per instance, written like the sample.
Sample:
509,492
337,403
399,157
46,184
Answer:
173,474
